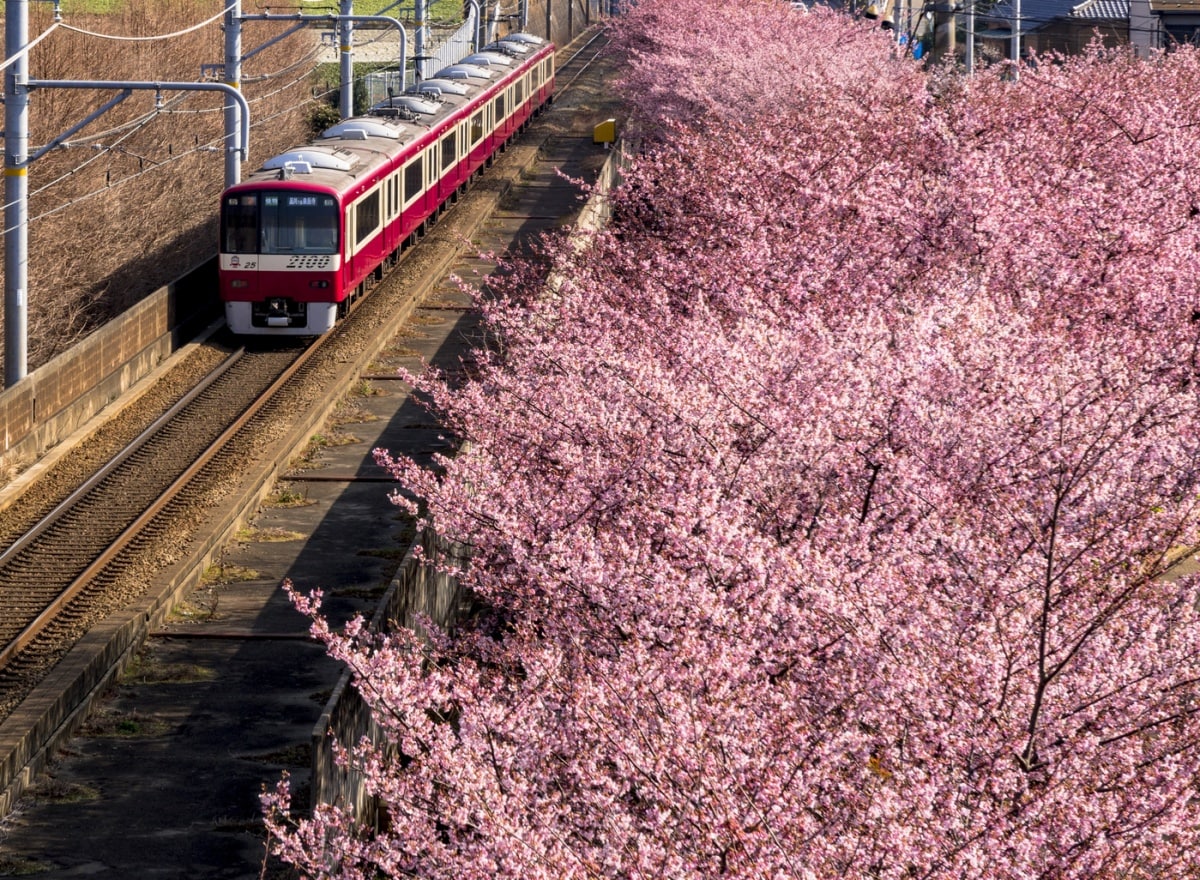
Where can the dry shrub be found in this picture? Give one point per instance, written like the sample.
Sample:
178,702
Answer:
131,204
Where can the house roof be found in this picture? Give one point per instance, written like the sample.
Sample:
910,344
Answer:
1175,5
1102,10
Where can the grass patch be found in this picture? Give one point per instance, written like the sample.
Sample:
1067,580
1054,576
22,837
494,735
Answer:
124,726
446,305
228,574
285,496
60,791
307,459
348,413
92,7
364,388
297,755
440,11
401,351
267,536
145,670
190,612
234,825
15,866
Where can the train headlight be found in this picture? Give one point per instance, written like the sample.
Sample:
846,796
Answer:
318,284
237,283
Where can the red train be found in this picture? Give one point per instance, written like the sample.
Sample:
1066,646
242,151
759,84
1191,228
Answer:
304,236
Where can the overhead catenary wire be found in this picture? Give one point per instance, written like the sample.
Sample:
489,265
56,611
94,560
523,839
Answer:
105,150
199,148
124,126
206,147
153,37
137,124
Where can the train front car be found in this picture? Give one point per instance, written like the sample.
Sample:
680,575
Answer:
281,233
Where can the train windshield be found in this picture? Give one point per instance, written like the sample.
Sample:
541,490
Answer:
281,222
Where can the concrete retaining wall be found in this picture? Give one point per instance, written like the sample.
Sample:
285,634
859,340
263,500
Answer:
57,398
418,590
563,20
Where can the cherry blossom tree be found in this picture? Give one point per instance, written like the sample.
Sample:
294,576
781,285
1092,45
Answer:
821,513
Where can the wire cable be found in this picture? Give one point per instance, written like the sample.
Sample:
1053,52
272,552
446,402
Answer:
24,50
106,151
103,151
181,33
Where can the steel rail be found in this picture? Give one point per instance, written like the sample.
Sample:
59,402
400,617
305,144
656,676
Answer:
587,64
133,446
131,532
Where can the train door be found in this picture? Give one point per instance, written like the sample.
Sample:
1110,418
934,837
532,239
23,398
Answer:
448,179
432,171
464,151
412,205
392,203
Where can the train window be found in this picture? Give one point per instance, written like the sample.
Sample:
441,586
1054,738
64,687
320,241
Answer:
499,108
366,217
449,153
476,128
296,222
519,91
414,179
239,224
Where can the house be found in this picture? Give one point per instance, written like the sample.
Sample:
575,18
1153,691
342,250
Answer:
1159,24
1066,26
1070,25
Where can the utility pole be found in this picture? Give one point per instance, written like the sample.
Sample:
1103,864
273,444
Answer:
969,57
1014,47
944,26
345,31
16,207
233,79
422,41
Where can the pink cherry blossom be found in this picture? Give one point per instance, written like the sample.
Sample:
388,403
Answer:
819,513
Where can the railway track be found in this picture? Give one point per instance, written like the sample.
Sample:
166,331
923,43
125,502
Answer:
61,573
580,59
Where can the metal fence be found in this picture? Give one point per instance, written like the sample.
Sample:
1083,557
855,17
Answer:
451,47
